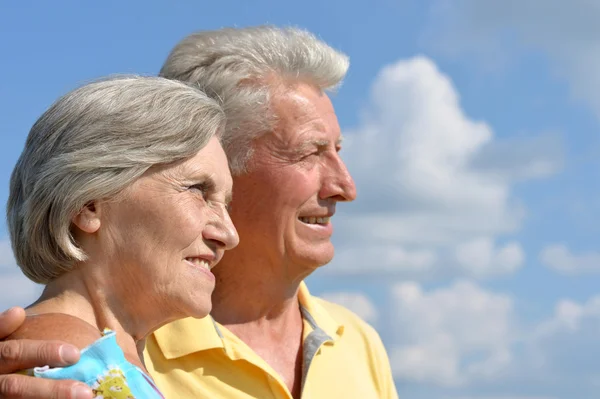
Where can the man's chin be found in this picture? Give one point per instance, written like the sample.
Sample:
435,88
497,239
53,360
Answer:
318,257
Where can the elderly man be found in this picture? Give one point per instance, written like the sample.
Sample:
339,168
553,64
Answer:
267,337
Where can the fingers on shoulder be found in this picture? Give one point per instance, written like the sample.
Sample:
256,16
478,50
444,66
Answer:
22,354
16,386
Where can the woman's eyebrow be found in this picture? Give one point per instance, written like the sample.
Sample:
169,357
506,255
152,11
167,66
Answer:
210,185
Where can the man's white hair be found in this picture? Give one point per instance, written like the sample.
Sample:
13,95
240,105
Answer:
90,145
240,68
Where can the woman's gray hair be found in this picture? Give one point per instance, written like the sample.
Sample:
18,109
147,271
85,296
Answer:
236,67
90,145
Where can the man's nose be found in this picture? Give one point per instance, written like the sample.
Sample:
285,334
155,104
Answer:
338,183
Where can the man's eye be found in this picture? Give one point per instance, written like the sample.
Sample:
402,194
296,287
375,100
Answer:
312,154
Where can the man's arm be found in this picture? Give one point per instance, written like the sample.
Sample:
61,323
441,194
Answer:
16,355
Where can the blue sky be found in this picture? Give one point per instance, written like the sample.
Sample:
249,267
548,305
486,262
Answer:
472,133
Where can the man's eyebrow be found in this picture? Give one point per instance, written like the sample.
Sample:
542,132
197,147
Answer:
319,143
325,142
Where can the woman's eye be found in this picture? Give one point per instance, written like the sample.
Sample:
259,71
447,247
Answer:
198,187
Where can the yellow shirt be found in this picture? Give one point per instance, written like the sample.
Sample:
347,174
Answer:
343,357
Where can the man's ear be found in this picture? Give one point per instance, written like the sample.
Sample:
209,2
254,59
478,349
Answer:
88,219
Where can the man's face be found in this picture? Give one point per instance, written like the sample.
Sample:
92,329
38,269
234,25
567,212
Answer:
282,207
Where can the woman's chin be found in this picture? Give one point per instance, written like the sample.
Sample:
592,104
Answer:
197,306
193,295
200,312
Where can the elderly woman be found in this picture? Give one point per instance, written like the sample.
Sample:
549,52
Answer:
118,204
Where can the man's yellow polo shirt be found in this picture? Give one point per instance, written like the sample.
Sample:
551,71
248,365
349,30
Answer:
343,357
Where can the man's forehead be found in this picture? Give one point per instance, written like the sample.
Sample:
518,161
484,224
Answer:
304,104
318,129
305,117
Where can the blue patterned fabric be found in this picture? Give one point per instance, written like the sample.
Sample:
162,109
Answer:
104,368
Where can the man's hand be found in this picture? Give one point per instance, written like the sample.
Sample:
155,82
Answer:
16,355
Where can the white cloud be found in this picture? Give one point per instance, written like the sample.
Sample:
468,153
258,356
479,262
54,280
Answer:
560,258
420,142
566,30
467,340
481,256
565,349
356,302
567,317
434,185
439,331
522,158
15,288
382,259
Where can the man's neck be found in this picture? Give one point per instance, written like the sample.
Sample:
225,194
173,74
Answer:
260,306
243,296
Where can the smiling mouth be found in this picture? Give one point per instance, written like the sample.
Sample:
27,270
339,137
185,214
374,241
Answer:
315,220
202,263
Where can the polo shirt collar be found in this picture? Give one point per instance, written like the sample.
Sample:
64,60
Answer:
186,336
315,313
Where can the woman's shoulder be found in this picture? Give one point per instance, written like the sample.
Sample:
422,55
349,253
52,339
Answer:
103,365
57,326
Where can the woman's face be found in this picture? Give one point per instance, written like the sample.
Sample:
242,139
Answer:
167,231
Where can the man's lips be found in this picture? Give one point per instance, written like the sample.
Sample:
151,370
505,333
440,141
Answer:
318,216
314,219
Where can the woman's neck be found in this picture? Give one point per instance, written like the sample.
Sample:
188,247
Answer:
88,297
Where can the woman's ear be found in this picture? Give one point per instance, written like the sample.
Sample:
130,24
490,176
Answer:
88,219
